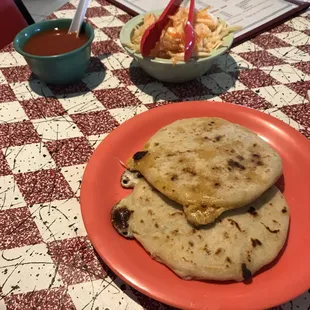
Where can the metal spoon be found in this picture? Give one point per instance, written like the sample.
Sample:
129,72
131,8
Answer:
78,17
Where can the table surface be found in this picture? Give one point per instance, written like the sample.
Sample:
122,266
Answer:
48,133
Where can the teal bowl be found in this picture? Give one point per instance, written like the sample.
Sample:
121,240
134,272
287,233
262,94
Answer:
65,68
163,69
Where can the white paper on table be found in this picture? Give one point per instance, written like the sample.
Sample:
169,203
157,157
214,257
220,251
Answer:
249,14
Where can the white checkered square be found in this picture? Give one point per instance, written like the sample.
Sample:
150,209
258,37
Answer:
123,114
107,296
58,220
118,42
95,140
280,95
232,63
205,97
30,268
106,21
81,103
114,10
11,112
100,36
286,74
152,92
30,90
106,80
245,47
221,82
73,175
283,117
28,157
54,128
92,3
3,79
118,61
12,59
290,54
10,196
295,38
65,13
299,23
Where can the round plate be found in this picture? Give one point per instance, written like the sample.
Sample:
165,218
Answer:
288,277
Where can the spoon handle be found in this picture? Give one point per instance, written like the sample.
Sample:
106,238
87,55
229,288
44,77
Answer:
78,17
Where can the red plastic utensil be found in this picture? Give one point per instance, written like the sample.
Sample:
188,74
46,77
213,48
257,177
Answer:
152,34
190,32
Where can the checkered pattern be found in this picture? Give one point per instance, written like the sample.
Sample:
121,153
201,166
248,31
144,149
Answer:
47,134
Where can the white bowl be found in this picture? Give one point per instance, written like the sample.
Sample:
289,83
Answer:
163,69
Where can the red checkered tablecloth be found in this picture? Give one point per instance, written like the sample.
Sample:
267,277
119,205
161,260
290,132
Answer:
48,133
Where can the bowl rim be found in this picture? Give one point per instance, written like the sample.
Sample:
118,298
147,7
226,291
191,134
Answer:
51,21
127,29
